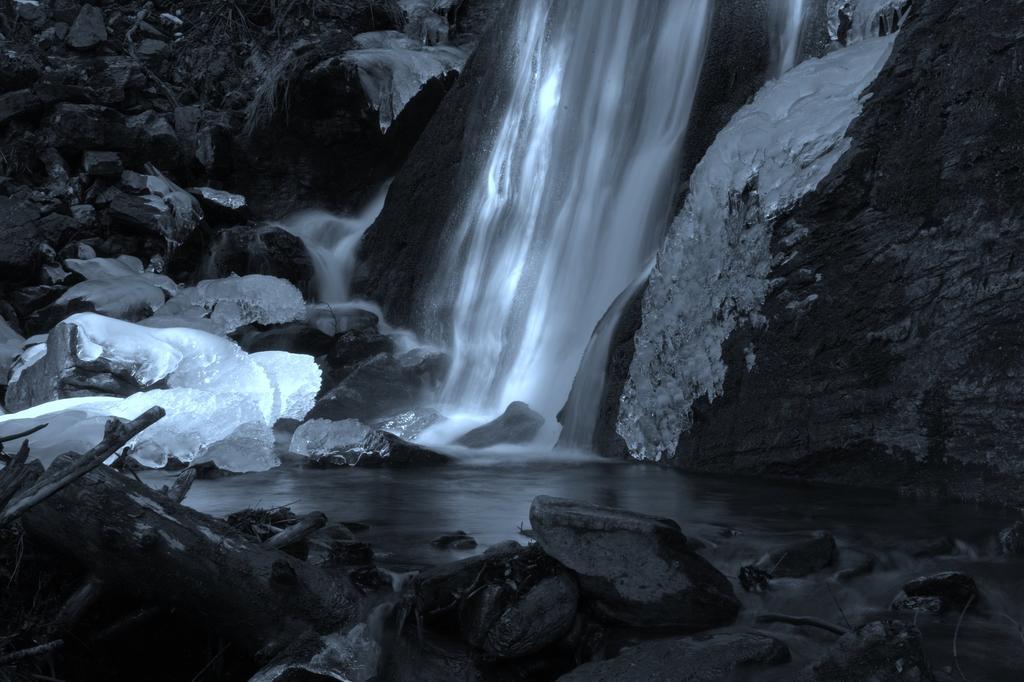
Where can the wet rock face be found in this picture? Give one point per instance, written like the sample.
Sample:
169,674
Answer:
634,569
707,657
897,373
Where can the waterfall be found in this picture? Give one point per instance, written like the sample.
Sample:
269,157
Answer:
574,196
331,241
788,19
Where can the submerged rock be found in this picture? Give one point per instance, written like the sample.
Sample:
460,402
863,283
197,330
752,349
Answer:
460,539
801,558
634,568
412,423
702,658
883,651
517,424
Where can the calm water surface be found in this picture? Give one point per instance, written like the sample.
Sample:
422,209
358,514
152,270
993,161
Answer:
738,520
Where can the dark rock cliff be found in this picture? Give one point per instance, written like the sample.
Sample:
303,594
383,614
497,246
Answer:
906,371
401,250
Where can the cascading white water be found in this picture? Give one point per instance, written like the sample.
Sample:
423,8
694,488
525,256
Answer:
575,195
788,19
332,241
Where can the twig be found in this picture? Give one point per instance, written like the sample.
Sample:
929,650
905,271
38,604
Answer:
77,604
307,525
211,661
801,620
956,634
182,484
117,433
838,606
32,651
23,434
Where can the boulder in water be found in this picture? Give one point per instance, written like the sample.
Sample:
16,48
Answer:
801,558
382,386
702,657
293,337
268,250
349,442
938,593
517,424
635,569
411,423
887,651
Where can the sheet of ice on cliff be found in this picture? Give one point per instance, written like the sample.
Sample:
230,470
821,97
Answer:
393,68
221,402
712,270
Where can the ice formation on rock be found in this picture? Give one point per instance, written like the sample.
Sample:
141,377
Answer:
393,68
852,20
221,402
712,270
232,302
323,437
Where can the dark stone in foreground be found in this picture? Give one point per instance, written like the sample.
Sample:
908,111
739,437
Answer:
635,569
801,558
457,540
881,651
703,658
517,424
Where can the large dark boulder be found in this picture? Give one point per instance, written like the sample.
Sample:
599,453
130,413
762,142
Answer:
517,424
381,386
20,237
898,375
634,568
702,658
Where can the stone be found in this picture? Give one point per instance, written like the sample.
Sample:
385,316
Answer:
13,104
221,205
701,658
155,135
1011,539
956,590
31,12
409,425
934,605
349,442
213,149
89,126
266,250
102,164
510,623
931,547
293,337
882,651
457,540
151,50
383,385
88,30
635,569
18,69
18,225
801,558
517,424
29,299
65,11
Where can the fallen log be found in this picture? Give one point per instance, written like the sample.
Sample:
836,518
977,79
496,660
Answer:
165,554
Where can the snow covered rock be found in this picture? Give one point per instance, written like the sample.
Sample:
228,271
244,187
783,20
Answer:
712,270
636,569
233,302
393,68
221,402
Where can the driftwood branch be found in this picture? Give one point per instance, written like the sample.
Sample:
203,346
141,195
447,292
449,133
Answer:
78,603
18,475
118,432
802,621
23,434
173,557
39,650
307,525
182,484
